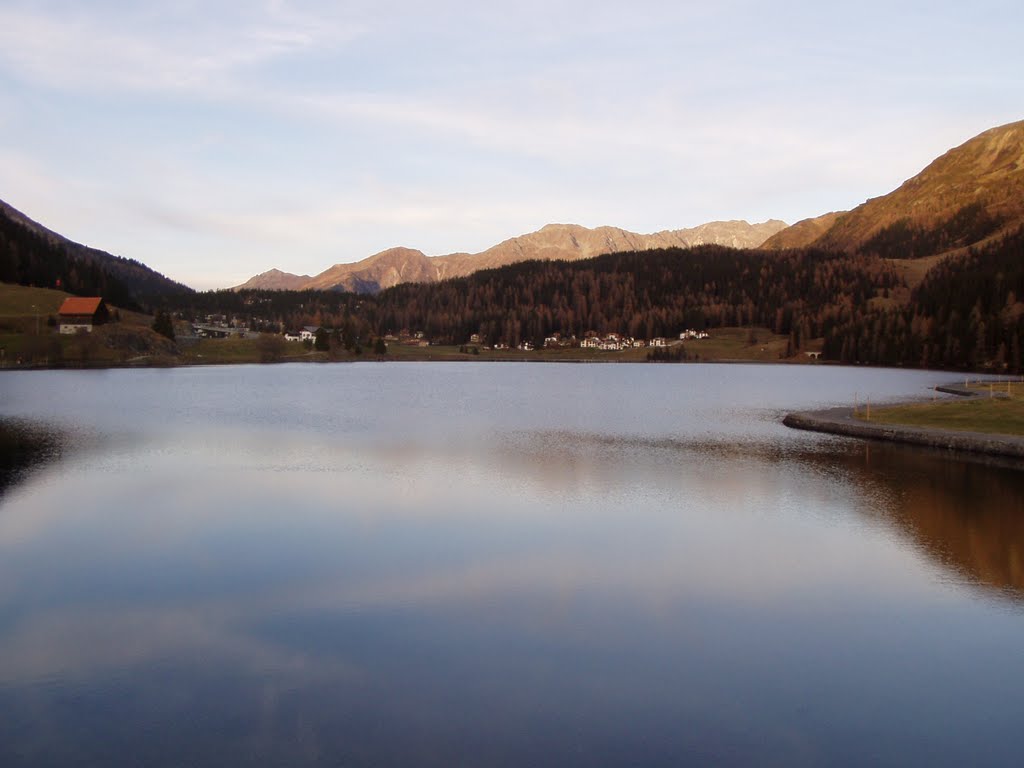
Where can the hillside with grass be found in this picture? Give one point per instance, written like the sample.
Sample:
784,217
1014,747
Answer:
29,336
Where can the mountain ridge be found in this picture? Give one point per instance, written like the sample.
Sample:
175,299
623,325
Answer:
274,278
967,195
552,242
803,233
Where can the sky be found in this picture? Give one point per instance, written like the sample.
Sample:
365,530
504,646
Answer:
215,140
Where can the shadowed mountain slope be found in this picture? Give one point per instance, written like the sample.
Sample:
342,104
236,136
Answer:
31,254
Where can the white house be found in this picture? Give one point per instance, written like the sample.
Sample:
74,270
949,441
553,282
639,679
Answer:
692,334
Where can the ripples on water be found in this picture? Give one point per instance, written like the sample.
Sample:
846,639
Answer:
497,564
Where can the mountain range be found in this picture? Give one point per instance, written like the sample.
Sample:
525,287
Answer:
968,195
971,195
567,242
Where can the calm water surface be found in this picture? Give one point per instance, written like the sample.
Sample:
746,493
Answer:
496,564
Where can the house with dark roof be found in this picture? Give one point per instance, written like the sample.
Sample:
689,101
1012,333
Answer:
78,314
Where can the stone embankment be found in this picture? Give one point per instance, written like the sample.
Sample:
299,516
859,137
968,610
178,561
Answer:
841,421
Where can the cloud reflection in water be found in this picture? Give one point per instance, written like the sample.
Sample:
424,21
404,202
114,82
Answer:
497,591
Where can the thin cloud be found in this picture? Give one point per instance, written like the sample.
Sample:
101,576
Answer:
149,53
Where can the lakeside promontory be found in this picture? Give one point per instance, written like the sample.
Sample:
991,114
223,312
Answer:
988,420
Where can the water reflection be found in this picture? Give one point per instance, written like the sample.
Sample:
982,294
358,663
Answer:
491,593
204,546
23,447
965,513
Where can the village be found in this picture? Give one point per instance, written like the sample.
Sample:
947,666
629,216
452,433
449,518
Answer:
61,331
218,326
79,315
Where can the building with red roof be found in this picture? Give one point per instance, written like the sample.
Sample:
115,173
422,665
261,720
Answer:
78,314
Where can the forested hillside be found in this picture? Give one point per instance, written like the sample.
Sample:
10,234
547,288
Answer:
30,254
654,293
646,294
967,313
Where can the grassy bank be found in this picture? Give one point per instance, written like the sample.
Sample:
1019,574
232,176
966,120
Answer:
29,336
998,410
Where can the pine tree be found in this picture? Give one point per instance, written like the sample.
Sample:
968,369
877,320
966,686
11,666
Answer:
163,324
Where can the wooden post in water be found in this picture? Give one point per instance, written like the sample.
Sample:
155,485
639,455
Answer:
867,409
991,390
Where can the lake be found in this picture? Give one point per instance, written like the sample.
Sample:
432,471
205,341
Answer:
497,564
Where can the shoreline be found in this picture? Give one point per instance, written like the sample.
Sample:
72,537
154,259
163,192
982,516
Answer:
841,421
170,363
